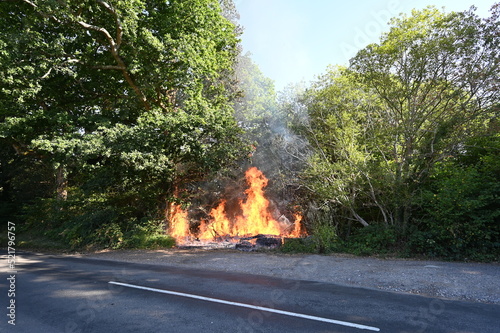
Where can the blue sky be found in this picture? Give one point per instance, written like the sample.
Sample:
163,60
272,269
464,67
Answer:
295,40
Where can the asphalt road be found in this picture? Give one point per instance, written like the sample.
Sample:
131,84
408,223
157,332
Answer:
57,294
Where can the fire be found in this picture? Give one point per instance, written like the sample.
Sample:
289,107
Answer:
220,225
255,218
297,226
179,223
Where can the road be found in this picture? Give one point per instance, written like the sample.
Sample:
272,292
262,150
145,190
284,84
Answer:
66,294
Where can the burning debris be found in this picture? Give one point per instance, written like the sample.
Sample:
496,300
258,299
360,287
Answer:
255,227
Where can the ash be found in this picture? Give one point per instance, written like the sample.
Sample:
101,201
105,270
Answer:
251,243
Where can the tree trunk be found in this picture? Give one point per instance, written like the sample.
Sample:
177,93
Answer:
61,183
359,218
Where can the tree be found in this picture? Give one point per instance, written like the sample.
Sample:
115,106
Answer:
346,129
437,75
255,110
125,100
403,105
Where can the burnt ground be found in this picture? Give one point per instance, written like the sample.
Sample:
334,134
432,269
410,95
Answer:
477,282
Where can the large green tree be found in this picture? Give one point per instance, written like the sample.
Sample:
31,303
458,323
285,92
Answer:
123,100
342,135
403,105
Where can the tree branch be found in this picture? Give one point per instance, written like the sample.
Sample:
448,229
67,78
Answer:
121,64
119,28
112,67
358,218
41,13
113,43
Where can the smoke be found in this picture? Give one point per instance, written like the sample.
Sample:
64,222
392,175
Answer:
271,123
281,152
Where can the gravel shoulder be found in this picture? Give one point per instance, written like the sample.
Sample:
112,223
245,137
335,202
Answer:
476,282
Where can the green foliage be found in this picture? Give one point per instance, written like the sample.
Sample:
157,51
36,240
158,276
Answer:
375,239
325,238
109,109
109,235
97,223
460,212
379,127
115,104
406,108
75,226
298,245
148,235
256,107
347,132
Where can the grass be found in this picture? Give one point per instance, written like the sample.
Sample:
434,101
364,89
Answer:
32,241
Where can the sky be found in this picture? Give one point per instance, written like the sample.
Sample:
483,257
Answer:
295,40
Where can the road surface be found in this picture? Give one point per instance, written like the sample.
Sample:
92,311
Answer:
61,294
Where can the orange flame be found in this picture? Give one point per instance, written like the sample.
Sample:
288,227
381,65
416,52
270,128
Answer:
179,223
220,226
255,219
297,226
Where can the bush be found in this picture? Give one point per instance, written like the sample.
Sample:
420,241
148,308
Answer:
299,245
109,235
148,234
374,239
94,222
325,238
460,217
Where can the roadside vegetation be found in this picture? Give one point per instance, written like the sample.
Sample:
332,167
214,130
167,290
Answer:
111,111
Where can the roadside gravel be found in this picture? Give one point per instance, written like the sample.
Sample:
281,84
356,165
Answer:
476,282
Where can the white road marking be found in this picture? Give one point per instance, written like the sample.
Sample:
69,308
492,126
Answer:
243,305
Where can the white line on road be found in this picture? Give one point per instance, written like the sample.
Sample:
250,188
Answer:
243,305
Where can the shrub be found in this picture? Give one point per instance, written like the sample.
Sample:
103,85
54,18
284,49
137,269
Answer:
94,222
299,245
148,234
325,238
374,239
109,235
460,215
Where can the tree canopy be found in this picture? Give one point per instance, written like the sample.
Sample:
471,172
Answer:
120,101
402,106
